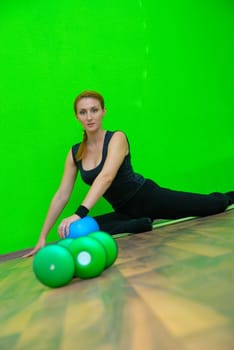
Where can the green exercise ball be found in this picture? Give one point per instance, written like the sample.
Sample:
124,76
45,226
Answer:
54,266
109,244
65,242
89,256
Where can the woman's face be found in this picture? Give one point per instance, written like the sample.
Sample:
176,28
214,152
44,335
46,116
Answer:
90,113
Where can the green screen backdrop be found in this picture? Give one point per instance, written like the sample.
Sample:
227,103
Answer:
165,70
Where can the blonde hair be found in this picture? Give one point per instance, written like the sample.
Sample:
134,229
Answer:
85,94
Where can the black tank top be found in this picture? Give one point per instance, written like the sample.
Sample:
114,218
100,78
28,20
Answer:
126,182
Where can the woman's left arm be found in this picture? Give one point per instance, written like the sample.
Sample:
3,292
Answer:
117,150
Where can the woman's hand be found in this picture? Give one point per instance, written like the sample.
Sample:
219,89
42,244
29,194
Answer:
63,229
40,244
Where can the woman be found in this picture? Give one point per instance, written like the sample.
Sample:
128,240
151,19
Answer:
103,159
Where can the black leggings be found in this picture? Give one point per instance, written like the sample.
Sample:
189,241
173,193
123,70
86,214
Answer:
154,202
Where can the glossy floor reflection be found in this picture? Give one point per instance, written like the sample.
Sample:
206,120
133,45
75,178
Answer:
172,288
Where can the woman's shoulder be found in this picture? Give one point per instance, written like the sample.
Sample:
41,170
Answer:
117,138
74,151
114,134
75,147
117,133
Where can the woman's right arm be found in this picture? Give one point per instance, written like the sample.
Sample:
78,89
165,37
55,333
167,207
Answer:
58,202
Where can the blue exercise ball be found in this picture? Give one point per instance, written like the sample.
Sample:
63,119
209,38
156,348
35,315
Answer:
83,227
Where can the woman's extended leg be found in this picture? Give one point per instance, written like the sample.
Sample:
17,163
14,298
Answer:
114,223
160,203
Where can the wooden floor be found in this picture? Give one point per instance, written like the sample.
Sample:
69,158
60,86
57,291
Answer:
172,288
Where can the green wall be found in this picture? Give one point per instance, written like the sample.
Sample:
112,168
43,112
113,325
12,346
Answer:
165,69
